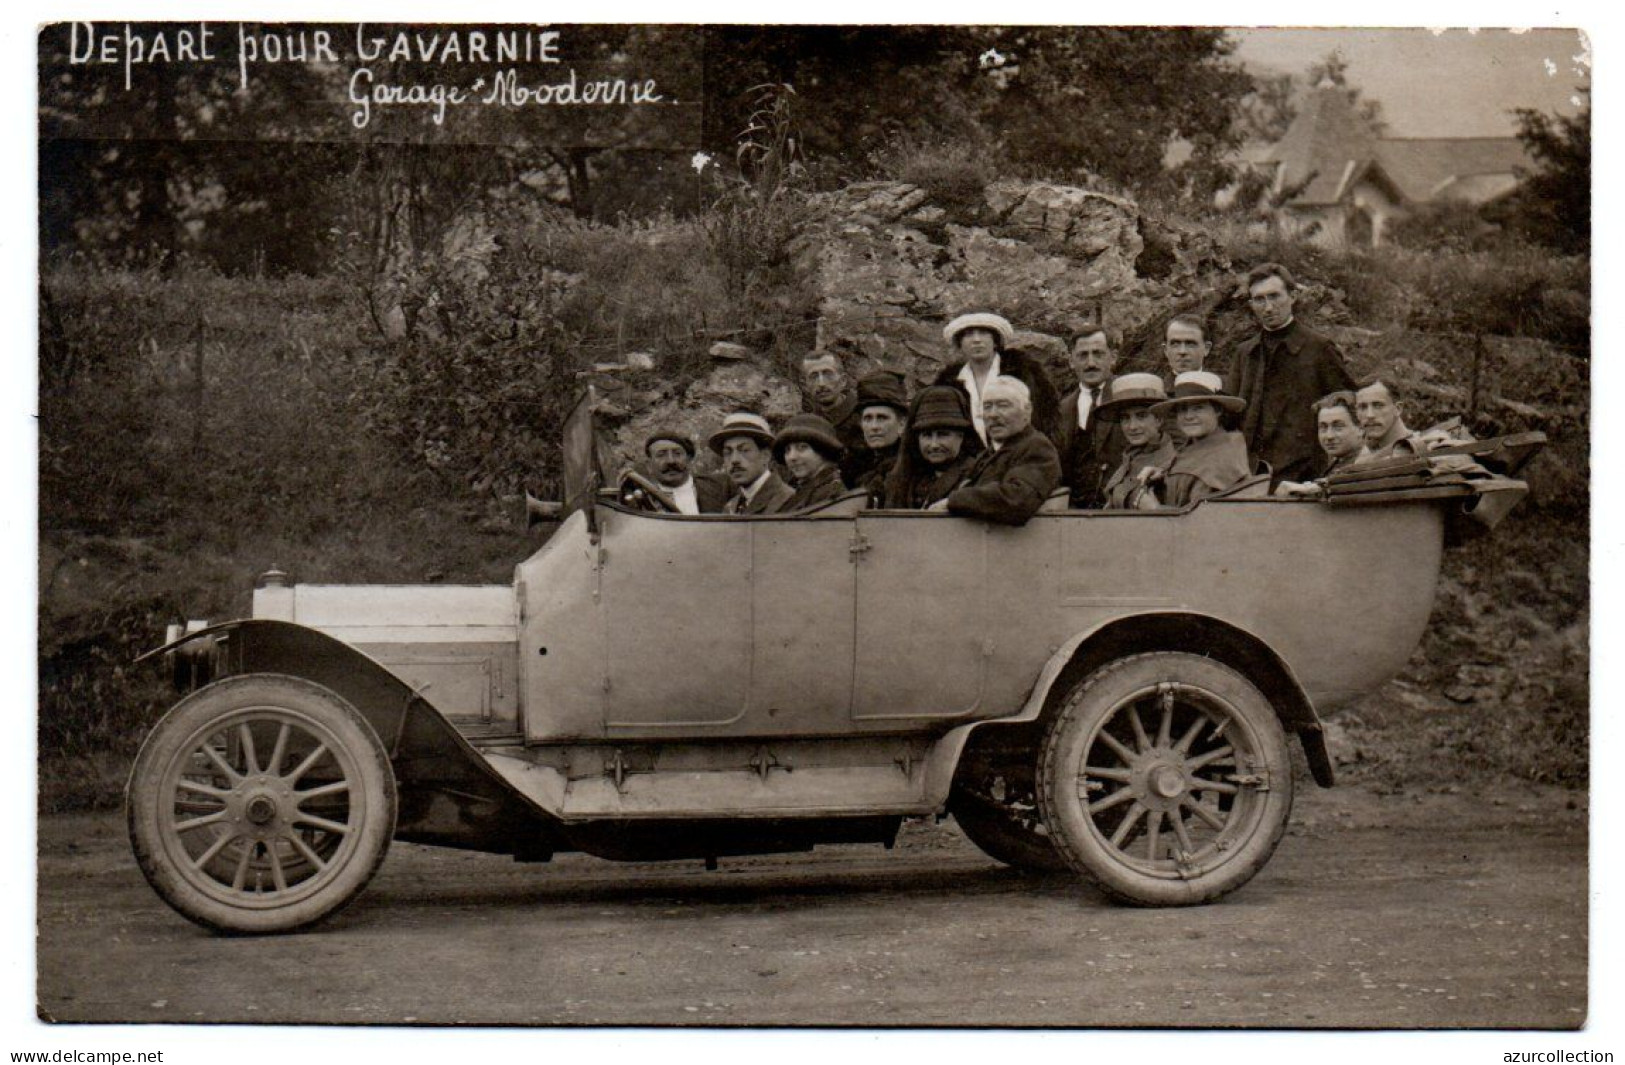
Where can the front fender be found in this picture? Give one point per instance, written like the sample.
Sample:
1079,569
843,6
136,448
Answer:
449,794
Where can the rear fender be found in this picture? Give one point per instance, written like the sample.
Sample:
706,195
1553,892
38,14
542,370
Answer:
449,795
1195,633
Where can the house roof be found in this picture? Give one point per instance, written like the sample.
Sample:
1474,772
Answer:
1421,167
1325,140
1329,141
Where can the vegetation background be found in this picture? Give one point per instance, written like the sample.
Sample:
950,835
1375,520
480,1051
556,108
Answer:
349,358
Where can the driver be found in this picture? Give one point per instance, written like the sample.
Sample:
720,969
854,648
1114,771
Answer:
671,457
742,444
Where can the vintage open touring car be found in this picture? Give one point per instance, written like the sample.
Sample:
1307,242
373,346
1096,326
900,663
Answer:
1104,693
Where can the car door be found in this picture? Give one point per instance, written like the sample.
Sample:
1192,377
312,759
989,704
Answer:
921,652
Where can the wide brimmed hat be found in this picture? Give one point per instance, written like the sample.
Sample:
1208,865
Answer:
812,429
883,388
940,407
1200,386
1130,390
681,439
742,423
993,322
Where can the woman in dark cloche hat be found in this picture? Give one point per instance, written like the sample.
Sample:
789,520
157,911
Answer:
938,448
810,450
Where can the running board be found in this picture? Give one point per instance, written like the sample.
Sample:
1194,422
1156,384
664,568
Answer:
810,778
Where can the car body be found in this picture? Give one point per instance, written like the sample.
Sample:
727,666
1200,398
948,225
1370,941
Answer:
1102,692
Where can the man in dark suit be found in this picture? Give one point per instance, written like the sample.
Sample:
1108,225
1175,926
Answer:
744,444
1280,373
671,455
1090,448
1010,481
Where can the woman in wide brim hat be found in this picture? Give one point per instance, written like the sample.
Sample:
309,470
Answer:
981,343
1213,458
814,466
1148,448
917,481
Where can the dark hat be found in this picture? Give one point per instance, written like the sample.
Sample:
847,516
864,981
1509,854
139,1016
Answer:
940,407
883,388
1200,386
812,429
663,432
742,423
1130,390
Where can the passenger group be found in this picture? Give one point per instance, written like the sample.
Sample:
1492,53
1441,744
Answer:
990,438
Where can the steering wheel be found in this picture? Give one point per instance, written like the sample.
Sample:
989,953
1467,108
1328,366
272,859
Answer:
640,493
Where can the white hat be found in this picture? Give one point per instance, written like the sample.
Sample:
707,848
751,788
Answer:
1200,386
991,322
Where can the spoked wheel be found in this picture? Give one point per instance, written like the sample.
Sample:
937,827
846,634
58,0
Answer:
1000,815
1165,779
261,804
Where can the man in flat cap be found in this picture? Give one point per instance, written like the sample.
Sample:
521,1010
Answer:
744,445
1010,481
671,456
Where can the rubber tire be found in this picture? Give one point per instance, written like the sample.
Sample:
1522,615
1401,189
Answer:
1003,839
194,893
1092,702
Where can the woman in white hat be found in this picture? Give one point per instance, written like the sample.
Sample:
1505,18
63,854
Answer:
1128,402
981,343
1213,458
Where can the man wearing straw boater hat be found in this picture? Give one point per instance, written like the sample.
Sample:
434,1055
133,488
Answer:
981,344
1213,458
742,444
810,450
1011,480
1128,405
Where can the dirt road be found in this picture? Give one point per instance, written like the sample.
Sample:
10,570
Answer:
1410,910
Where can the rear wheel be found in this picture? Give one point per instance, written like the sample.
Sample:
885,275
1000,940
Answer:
261,804
1165,779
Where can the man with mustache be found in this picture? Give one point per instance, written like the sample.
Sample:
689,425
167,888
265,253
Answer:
743,445
671,456
1279,374
1376,405
1089,447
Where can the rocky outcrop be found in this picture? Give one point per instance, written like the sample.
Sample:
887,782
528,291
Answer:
888,268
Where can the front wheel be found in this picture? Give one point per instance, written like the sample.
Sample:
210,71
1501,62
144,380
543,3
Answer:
260,804
1165,779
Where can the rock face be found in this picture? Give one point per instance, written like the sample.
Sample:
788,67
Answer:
889,268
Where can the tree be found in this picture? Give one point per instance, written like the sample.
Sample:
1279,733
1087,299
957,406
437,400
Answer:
1553,206
1111,101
